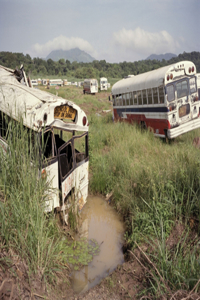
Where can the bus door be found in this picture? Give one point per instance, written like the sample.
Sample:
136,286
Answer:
183,101
50,169
66,170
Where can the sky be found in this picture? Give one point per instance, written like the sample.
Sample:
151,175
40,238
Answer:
111,30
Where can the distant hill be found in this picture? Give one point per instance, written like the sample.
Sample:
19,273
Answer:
160,57
72,55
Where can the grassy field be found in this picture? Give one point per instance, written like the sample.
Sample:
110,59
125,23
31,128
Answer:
155,186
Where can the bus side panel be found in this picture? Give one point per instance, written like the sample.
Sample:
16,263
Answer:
53,194
158,124
82,183
68,184
78,179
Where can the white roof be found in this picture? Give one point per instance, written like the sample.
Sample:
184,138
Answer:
153,78
17,99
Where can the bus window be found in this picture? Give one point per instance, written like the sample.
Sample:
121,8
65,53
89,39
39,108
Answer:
170,92
149,94
81,148
47,145
135,98
139,95
131,98
161,94
192,84
144,95
66,159
127,99
124,99
155,96
182,89
118,100
114,100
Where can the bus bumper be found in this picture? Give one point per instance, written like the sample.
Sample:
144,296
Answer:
183,128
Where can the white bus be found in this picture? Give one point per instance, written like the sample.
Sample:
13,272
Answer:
103,84
90,86
165,100
63,128
56,82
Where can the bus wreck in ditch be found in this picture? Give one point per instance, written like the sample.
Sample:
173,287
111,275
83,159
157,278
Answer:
63,128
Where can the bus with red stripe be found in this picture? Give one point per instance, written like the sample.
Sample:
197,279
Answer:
164,100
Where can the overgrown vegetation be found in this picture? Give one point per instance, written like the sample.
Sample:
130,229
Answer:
28,234
38,67
156,188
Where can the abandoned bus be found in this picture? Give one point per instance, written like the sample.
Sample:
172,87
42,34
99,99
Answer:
103,86
165,100
62,127
56,82
90,86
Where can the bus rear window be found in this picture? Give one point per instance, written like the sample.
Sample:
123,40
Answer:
170,92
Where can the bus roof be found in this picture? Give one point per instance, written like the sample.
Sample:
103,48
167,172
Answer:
153,78
38,108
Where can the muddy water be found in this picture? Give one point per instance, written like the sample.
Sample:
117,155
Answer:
101,222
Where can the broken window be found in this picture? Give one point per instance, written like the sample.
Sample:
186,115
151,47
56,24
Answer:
66,159
81,148
47,143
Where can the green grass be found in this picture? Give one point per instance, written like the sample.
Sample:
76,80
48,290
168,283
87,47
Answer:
154,185
25,230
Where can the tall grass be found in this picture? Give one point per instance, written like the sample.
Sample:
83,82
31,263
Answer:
154,185
24,227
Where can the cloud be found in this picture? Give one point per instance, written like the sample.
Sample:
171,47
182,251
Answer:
145,42
64,43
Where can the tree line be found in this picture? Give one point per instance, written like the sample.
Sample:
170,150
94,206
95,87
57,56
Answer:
38,67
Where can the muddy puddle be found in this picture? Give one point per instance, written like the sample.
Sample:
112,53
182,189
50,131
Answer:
100,222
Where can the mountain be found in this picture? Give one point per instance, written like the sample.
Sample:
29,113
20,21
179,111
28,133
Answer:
72,55
160,57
